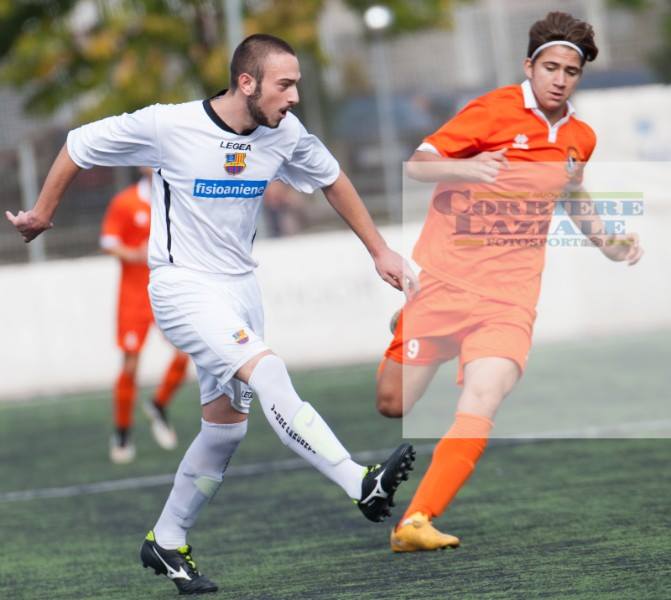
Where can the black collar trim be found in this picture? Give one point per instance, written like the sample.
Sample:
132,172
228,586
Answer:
218,121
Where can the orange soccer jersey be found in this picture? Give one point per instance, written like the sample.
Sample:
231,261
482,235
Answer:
126,223
490,238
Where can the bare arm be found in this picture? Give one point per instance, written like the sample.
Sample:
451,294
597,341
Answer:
33,222
128,254
344,198
390,266
616,247
432,168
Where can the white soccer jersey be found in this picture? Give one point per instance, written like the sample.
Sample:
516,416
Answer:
209,181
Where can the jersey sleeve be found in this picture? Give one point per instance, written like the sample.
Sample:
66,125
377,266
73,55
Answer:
462,136
591,144
311,165
124,140
112,229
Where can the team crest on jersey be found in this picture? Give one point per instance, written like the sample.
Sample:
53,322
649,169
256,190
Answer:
235,163
572,160
241,337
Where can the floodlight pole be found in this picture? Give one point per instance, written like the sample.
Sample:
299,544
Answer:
29,191
499,31
387,127
234,27
377,19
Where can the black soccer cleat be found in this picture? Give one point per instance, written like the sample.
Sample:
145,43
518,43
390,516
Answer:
381,481
177,565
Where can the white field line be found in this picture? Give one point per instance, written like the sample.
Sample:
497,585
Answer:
295,464
115,485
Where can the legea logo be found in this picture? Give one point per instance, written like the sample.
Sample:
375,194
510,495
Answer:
223,188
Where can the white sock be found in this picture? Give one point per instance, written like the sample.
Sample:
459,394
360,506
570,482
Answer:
280,402
197,480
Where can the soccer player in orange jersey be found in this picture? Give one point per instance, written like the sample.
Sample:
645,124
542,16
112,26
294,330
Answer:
125,232
477,300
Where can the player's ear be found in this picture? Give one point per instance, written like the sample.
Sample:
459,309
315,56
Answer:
528,68
246,84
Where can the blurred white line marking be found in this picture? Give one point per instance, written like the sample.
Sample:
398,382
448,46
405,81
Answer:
295,464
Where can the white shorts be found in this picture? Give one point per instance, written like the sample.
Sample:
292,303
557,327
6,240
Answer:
217,320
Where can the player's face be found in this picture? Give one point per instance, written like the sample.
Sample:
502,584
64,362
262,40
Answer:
278,92
554,76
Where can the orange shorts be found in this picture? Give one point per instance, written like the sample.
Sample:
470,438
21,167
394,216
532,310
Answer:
132,331
444,321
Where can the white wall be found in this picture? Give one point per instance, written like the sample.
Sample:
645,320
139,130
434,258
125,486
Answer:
324,304
631,123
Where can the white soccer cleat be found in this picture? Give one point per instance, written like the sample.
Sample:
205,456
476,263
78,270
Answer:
121,454
162,431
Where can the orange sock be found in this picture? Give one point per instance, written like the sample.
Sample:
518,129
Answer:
124,398
172,379
454,459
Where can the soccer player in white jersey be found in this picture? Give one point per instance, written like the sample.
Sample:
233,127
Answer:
212,161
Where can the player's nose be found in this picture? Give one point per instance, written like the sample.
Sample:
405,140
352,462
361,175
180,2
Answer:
560,79
294,97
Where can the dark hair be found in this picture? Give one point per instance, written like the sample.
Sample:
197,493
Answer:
562,26
251,53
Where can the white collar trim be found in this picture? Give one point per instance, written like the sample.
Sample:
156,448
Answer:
531,103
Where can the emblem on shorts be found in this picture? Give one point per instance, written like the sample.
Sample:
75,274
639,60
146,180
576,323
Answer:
521,141
235,163
241,337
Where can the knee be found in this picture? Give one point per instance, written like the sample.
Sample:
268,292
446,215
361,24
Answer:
389,401
129,367
224,435
485,396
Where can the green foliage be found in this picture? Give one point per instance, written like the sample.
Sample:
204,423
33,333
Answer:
124,56
281,18
630,4
15,15
118,56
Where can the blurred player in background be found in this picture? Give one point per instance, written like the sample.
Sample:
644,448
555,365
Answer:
212,161
283,210
477,299
125,233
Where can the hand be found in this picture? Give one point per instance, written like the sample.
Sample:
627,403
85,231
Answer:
28,224
483,167
622,248
396,271
137,255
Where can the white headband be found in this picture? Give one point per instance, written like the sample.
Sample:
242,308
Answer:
542,47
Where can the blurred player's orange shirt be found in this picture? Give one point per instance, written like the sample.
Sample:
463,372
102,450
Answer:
490,239
126,223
